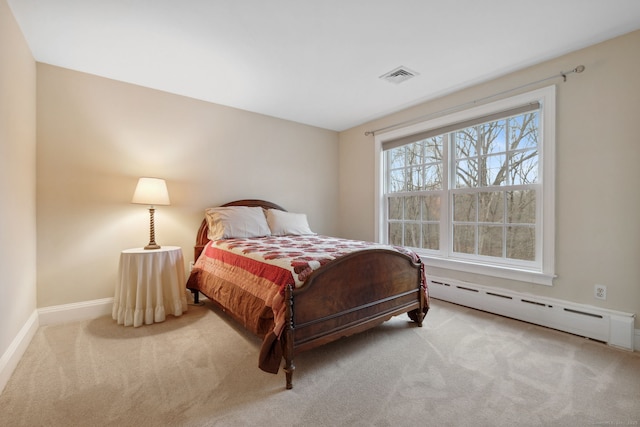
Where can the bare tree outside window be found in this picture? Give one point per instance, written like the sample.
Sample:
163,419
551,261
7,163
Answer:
492,189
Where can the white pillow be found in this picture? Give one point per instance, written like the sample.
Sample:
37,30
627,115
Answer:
236,222
287,223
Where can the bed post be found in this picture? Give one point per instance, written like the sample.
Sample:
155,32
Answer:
288,336
419,314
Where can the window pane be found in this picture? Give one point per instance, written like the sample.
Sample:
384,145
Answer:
414,179
467,173
420,155
412,235
491,207
464,207
521,243
395,233
523,167
433,177
495,170
433,149
431,236
431,208
493,137
521,207
464,239
396,180
395,158
490,241
412,208
465,142
395,208
413,153
523,131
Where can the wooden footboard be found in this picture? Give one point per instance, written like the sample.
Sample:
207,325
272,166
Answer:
362,288
348,296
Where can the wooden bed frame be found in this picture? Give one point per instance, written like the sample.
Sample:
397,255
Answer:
346,296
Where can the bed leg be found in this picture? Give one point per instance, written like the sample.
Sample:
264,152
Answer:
419,314
196,296
289,374
287,344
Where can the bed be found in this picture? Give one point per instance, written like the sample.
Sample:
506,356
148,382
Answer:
295,289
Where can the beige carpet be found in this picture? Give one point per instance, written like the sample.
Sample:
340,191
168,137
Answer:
463,368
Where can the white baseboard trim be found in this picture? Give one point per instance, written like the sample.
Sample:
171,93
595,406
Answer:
48,316
75,312
12,356
616,328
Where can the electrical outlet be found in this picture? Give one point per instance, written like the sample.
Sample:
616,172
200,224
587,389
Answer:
600,292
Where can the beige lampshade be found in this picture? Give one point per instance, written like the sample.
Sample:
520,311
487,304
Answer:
151,191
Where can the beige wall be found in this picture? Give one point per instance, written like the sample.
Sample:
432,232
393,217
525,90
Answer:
17,180
97,136
598,172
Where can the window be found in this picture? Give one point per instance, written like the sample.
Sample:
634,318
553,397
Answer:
473,191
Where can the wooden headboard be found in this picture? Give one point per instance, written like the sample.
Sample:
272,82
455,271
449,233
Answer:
202,239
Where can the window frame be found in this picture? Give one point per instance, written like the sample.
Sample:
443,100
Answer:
544,270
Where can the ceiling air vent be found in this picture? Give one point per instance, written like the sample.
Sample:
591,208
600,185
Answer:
399,75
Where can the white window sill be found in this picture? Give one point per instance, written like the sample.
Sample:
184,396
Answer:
503,272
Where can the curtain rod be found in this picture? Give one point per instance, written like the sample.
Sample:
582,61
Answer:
563,74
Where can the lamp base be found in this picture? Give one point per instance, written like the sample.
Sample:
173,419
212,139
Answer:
152,231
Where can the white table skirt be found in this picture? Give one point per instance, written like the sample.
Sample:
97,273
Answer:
151,285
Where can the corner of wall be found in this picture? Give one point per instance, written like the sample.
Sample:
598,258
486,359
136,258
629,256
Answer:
17,348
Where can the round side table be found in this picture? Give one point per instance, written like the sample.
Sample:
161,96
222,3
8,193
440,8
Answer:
151,284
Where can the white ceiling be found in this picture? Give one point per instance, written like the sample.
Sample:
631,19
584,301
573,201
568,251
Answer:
313,61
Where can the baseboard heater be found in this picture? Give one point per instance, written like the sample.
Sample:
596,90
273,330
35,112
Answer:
612,327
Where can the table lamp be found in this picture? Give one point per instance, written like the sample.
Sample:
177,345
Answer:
152,192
